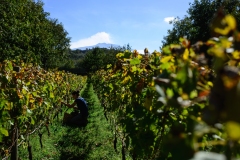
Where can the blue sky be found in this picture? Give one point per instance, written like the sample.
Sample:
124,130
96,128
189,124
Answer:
141,23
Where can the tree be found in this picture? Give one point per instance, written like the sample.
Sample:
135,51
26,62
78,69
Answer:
181,27
28,34
98,58
56,50
127,47
94,60
110,56
195,25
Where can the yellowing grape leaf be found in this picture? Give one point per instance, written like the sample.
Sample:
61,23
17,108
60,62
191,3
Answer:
51,95
236,54
186,54
8,106
225,43
231,21
166,59
24,90
126,80
148,103
233,130
133,69
217,51
139,57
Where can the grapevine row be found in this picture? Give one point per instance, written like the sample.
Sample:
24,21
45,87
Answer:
177,102
29,99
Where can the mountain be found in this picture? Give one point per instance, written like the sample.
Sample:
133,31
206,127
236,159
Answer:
100,45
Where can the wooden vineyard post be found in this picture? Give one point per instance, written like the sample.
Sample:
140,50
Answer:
14,152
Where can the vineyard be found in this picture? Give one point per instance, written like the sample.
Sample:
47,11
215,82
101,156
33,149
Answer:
30,99
177,104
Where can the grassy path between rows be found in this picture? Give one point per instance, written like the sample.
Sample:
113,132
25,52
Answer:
93,142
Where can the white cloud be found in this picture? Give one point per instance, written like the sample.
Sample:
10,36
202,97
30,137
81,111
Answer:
141,51
168,19
100,37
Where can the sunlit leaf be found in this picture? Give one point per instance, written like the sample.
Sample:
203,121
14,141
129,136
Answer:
24,90
233,130
186,54
32,121
217,51
170,93
135,61
166,59
109,65
167,50
139,56
51,95
4,131
231,21
133,69
236,55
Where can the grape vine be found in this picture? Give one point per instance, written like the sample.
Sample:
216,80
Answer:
29,99
178,102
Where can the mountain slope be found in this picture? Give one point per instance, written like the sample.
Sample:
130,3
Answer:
100,45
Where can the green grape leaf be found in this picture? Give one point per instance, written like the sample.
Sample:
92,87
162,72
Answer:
4,131
135,61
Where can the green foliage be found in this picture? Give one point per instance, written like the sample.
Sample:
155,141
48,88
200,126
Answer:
173,104
77,54
68,143
97,58
127,47
93,60
29,99
195,25
28,34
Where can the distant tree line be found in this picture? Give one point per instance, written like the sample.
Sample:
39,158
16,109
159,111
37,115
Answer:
90,60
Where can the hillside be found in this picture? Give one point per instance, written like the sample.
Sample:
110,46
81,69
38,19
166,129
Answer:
100,45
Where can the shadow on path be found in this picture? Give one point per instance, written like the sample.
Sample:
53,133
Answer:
95,141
